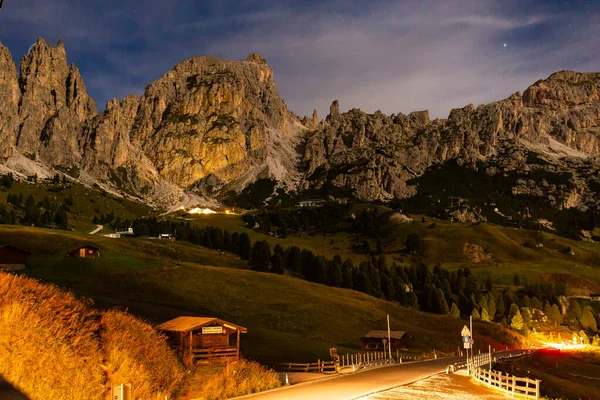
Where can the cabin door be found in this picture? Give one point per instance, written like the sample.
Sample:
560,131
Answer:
82,253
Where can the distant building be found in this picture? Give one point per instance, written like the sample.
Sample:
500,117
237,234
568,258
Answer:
203,339
166,236
595,297
311,203
113,235
128,232
86,251
12,258
374,340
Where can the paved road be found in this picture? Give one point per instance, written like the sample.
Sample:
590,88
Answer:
7,392
98,229
352,386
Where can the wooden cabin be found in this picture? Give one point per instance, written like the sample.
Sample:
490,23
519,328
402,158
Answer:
374,340
13,258
204,339
86,251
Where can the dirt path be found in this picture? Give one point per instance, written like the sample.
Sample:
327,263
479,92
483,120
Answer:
98,229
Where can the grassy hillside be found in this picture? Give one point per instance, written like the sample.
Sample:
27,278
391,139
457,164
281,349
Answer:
55,346
503,251
87,202
287,318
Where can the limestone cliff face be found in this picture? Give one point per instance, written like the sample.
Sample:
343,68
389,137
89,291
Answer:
211,125
209,117
54,105
9,103
377,154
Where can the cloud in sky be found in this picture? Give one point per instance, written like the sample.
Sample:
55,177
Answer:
394,56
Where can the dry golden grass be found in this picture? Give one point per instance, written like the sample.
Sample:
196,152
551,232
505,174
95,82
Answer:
135,353
48,345
55,346
216,382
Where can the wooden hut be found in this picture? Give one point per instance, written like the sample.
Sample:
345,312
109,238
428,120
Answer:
375,339
12,258
204,339
85,251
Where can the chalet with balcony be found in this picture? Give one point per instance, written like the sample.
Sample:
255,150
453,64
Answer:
204,339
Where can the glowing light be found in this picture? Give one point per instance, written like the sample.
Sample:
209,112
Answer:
204,211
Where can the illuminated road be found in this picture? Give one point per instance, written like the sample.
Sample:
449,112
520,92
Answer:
352,386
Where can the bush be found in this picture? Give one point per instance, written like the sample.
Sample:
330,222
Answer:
135,353
48,342
232,380
54,346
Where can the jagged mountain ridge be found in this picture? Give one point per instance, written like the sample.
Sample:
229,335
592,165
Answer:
206,125
209,126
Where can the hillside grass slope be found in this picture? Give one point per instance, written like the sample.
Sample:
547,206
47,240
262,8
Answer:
287,318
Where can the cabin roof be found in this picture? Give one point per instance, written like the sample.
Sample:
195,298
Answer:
8,246
88,246
186,324
384,335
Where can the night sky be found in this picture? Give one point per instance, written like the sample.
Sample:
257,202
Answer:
394,56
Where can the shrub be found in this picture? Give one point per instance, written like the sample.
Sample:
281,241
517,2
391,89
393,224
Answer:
232,380
135,353
48,342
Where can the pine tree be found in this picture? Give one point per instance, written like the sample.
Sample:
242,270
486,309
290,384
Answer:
244,246
485,316
441,304
475,314
516,322
454,311
277,264
413,301
347,278
260,258
514,309
584,338
588,321
527,317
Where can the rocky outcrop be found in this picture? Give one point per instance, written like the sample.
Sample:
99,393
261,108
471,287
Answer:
54,105
376,155
210,125
9,101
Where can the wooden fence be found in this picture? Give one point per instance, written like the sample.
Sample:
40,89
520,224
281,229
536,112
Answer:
510,384
216,354
319,366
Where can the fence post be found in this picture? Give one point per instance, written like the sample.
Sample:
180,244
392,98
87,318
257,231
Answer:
537,389
513,386
319,366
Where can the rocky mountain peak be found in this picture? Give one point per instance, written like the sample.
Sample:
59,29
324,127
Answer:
9,100
255,58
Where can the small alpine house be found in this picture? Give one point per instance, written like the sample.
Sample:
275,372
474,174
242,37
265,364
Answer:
204,339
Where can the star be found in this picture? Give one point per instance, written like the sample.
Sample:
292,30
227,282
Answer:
504,45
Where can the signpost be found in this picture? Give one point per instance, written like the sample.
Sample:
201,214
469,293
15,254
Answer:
466,338
121,392
212,330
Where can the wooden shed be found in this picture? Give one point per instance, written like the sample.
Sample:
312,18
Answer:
204,339
85,251
374,340
12,258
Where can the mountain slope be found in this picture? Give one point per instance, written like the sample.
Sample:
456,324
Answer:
210,126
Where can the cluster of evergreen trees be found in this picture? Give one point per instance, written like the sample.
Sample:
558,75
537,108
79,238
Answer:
438,290
45,213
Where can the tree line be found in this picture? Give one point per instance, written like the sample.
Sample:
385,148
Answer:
438,290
